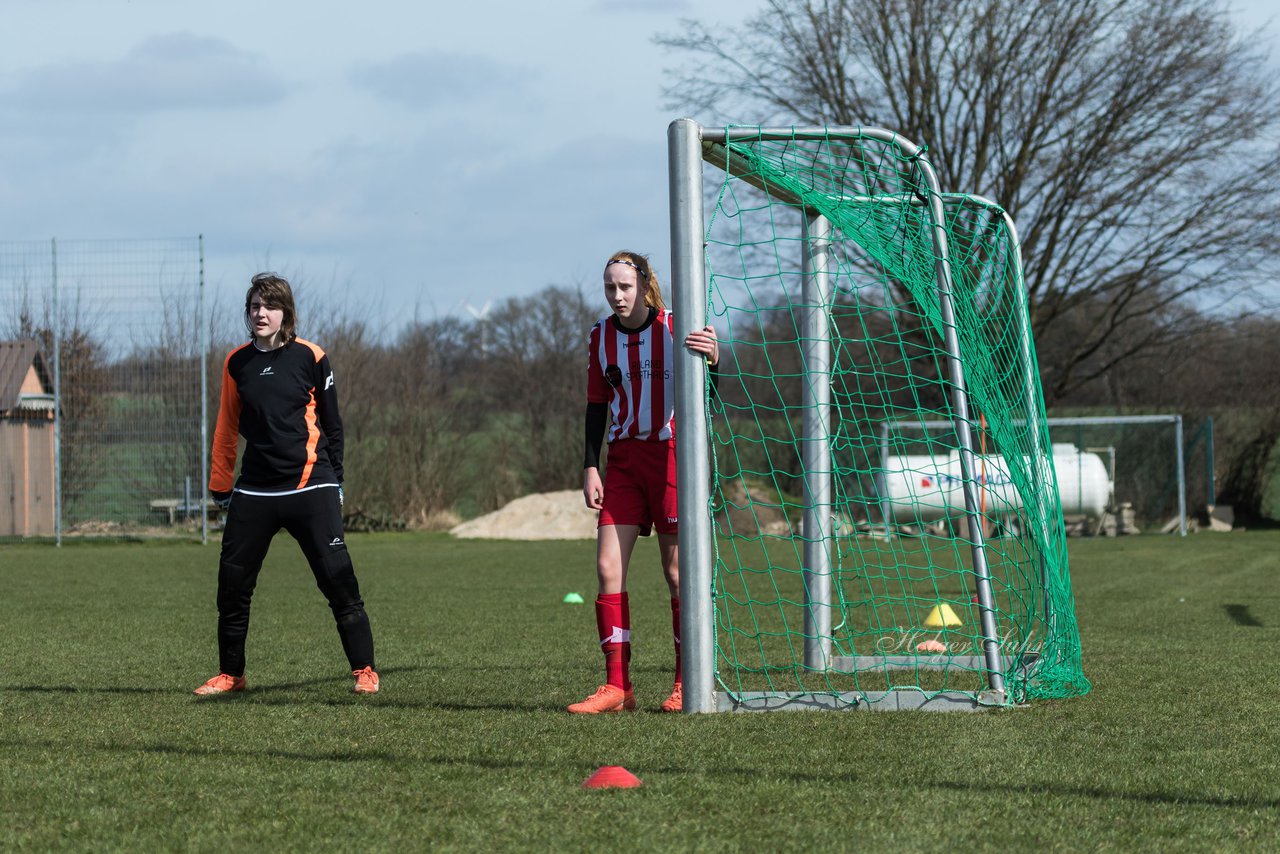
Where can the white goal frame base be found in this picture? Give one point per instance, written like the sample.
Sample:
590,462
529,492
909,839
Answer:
897,700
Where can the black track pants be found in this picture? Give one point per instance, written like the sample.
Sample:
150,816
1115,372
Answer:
314,518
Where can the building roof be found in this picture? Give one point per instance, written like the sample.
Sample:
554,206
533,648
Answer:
16,358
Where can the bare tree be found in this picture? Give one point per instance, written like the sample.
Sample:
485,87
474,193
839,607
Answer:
84,403
537,355
405,437
1134,141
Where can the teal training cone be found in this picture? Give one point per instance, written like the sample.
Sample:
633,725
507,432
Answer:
572,599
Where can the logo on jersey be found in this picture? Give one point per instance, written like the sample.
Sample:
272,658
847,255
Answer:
613,375
267,372
328,381
335,542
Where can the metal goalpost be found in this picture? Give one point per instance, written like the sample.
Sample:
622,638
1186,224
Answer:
688,145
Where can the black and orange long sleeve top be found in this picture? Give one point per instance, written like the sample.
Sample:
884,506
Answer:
284,403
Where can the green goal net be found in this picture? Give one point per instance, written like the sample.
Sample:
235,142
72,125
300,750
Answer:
886,526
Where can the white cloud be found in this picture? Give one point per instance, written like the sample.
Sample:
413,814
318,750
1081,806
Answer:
432,78
664,7
164,72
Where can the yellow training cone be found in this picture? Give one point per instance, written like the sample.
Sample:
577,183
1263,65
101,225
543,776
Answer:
940,616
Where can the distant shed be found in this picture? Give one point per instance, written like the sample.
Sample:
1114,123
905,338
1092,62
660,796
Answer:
27,473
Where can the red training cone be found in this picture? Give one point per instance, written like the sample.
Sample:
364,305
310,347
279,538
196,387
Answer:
611,777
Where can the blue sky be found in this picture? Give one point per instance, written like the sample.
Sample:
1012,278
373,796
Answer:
414,155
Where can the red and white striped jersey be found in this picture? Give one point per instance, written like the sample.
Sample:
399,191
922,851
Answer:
631,370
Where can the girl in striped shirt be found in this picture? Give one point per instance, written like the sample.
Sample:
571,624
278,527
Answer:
630,398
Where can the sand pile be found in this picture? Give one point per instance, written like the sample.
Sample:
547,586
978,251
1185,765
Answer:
564,516
545,516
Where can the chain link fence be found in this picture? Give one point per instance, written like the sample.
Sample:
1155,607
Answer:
121,326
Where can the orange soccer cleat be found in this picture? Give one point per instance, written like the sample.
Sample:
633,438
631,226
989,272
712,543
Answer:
674,703
221,684
366,681
607,698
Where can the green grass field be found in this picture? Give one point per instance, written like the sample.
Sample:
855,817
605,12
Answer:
467,746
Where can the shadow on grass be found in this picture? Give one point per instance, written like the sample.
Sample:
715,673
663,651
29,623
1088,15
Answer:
385,701
284,694
259,688
1097,793
254,690
1240,615
574,768
80,689
193,750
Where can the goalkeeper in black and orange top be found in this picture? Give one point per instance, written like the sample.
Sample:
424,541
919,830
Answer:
278,393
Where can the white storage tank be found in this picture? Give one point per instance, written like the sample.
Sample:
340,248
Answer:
919,489
1083,481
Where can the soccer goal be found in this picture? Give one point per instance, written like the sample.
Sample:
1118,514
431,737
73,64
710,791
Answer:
850,292
1131,468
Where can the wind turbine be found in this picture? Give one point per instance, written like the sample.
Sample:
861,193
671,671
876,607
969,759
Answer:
481,316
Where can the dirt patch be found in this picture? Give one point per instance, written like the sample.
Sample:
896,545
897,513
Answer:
759,512
544,516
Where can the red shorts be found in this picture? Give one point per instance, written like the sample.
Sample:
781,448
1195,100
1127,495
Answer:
640,486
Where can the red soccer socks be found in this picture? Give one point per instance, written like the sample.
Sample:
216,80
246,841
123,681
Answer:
675,633
613,622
